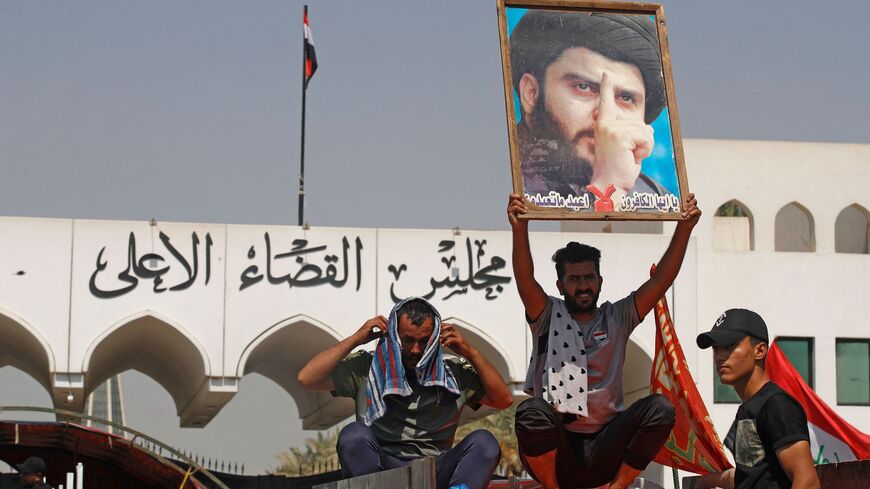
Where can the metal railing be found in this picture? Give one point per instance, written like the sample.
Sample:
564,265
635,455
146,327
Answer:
136,440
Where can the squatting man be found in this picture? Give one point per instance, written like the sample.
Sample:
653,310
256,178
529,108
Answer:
575,430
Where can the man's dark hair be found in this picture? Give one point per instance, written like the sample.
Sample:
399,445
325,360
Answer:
417,310
755,341
541,36
575,252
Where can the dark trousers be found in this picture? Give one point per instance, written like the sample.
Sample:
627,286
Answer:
471,462
634,436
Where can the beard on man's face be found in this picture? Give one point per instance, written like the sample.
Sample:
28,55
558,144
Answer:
561,163
576,305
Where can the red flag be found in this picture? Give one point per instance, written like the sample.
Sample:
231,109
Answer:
310,57
832,439
693,444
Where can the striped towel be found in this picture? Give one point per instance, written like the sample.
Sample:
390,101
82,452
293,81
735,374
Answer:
387,374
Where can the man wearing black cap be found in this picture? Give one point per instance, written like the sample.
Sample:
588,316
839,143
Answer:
769,437
589,85
31,473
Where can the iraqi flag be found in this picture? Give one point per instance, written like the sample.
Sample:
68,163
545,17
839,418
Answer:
832,439
310,57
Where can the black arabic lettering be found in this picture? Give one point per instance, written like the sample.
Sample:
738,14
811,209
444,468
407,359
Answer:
476,278
124,276
252,274
151,266
307,274
191,274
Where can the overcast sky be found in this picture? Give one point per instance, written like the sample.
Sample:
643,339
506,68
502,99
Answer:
190,111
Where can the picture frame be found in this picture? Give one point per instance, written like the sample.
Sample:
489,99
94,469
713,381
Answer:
577,155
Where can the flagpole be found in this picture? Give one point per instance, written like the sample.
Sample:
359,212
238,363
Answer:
302,144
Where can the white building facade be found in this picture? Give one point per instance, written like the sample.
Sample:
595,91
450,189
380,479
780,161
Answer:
198,306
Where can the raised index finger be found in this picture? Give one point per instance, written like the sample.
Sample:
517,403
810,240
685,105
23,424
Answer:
606,99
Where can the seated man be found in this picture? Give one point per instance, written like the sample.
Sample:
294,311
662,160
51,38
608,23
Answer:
769,438
575,431
408,398
32,473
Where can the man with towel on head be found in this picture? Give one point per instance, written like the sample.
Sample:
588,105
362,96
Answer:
588,85
408,397
575,431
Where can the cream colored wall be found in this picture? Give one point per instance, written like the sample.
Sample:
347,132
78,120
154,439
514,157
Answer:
820,294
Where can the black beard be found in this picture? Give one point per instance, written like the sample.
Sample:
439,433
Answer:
575,308
547,153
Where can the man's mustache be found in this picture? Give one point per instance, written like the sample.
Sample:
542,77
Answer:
586,133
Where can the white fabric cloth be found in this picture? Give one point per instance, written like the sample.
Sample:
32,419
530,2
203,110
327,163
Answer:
565,376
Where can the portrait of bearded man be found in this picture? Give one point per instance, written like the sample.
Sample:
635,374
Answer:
589,86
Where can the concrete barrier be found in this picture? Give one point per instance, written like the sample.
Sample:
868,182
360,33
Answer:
419,474
844,475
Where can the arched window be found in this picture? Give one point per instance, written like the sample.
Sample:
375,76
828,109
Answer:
733,227
852,230
795,229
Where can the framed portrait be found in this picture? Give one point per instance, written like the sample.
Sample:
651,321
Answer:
591,111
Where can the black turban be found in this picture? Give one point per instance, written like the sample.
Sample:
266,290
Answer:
541,36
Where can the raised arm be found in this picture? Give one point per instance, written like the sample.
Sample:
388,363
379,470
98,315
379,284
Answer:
531,293
669,266
496,392
797,463
316,374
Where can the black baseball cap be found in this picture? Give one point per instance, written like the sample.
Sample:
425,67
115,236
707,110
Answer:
732,326
33,465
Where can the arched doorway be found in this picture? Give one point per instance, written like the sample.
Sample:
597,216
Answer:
158,348
22,348
281,351
635,385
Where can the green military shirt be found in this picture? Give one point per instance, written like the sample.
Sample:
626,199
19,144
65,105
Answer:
423,423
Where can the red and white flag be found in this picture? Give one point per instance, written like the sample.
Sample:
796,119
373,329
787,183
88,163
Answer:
832,439
310,57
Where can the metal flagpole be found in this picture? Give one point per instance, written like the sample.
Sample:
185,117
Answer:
302,144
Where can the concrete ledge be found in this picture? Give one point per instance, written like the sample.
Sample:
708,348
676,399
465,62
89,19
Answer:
419,474
844,475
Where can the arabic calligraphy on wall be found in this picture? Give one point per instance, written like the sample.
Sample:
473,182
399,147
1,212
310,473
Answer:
300,264
152,266
459,278
303,270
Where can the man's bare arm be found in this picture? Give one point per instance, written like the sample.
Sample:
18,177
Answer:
316,374
722,480
531,293
797,463
496,392
669,266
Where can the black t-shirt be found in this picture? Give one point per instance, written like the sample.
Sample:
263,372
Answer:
765,423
